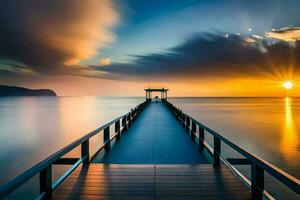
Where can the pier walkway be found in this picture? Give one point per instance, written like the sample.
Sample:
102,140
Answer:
155,137
154,159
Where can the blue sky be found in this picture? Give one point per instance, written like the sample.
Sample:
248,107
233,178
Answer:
72,46
156,26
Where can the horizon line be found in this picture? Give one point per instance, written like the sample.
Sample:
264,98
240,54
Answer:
182,96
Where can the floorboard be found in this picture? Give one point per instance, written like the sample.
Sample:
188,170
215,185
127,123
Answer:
125,181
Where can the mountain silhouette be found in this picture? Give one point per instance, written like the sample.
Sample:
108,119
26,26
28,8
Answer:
6,90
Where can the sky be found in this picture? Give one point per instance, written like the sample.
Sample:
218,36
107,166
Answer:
120,47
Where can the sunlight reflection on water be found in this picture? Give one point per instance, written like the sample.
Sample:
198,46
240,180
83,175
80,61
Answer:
266,127
289,141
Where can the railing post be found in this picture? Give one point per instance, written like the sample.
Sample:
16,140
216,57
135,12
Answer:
106,138
117,129
136,113
217,151
46,181
187,123
85,152
201,138
124,125
257,182
194,129
128,119
133,115
177,114
183,120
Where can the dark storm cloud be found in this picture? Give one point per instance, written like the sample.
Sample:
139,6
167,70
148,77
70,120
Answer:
211,55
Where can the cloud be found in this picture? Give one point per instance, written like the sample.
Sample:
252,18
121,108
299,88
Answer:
249,40
288,34
257,37
209,56
104,61
253,38
53,36
50,37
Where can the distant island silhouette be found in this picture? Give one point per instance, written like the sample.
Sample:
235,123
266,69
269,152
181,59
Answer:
6,90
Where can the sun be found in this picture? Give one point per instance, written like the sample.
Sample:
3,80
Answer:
288,85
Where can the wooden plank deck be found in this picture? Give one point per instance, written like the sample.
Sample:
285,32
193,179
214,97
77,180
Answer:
154,159
155,137
122,181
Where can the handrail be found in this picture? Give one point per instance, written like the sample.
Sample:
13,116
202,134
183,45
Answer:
44,167
258,165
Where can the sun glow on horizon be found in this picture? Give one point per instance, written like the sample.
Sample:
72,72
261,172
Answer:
288,85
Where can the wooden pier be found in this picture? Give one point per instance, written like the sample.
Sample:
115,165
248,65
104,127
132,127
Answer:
155,151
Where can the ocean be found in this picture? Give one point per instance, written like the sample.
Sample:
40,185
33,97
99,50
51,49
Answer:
32,128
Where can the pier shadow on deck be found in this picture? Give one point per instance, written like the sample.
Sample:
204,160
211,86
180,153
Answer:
154,138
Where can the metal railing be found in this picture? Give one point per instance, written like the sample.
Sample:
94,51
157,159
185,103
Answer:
258,165
44,168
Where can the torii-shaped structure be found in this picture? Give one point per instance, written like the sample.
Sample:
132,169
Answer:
163,92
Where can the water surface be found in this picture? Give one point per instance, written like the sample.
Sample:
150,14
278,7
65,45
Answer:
32,128
267,127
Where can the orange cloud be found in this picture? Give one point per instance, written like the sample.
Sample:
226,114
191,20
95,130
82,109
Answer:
249,40
92,31
104,61
48,36
286,34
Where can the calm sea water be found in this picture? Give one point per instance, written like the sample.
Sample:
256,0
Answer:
267,127
33,128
